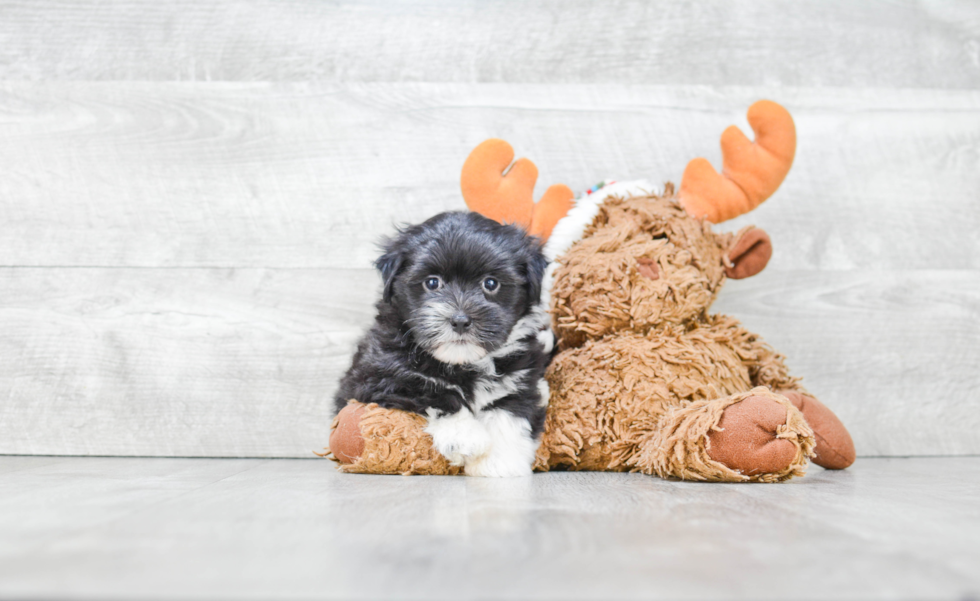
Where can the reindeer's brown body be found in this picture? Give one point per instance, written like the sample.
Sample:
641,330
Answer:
645,374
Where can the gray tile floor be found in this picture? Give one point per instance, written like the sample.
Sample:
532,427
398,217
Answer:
254,528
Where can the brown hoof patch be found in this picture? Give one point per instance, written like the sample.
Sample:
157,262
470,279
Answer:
346,441
835,449
746,441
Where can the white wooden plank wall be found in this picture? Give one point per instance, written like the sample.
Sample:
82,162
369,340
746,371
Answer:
190,194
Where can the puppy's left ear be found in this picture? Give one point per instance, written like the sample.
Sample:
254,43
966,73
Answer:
389,264
534,267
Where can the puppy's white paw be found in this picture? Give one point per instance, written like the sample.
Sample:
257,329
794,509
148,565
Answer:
459,437
512,449
498,465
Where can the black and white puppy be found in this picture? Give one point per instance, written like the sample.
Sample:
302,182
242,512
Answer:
462,338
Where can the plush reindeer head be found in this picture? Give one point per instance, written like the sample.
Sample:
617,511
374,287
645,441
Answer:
626,259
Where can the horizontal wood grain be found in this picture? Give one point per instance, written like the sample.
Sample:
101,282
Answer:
243,362
311,175
720,42
175,362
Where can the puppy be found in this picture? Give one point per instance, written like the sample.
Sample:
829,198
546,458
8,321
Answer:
462,338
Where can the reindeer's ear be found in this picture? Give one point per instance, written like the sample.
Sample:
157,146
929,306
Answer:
749,255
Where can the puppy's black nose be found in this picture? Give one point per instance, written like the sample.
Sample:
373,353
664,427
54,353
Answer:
461,322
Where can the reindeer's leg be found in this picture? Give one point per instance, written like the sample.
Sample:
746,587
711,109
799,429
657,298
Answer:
835,449
368,439
753,436
766,367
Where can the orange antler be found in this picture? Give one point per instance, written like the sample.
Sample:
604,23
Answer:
751,172
509,198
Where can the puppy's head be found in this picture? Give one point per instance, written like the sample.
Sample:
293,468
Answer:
460,281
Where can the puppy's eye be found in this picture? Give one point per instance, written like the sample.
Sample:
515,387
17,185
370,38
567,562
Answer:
491,284
432,283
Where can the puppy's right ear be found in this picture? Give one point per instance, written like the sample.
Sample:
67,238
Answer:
534,268
389,264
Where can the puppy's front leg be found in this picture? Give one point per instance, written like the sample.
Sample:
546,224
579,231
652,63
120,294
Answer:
512,447
458,436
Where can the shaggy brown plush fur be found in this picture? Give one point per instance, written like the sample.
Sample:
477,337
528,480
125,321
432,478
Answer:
609,399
